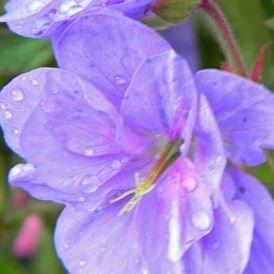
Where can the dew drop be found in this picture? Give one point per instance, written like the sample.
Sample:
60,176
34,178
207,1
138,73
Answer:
120,80
232,220
81,199
201,220
70,7
2,106
89,183
116,164
190,184
17,95
35,6
15,131
88,151
20,169
8,114
82,263
34,82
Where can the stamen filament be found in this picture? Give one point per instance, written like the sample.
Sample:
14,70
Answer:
169,155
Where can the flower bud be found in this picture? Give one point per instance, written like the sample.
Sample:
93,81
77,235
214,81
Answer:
26,242
174,11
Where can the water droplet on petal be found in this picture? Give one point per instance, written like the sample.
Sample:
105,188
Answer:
34,82
232,219
17,95
20,169
190,184
88,151
15,131
82,263
201,220
116,164
2,106
90,183
120,80
8,114
35,6
81,199
70,7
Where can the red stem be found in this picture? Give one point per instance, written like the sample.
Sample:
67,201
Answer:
213,10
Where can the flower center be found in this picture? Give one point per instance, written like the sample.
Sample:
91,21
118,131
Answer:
170,153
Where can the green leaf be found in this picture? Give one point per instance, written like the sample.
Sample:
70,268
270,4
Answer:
8,265
174,11
247,19
46,260
20,54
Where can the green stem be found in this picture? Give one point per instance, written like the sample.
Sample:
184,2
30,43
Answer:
217,16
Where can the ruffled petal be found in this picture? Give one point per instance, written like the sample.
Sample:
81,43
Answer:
226,249
208,152
25,176
244,111
107,243
150,239
17,101
253,193
98,243
179,214
49,117
111,59
164,102
44,18
71,110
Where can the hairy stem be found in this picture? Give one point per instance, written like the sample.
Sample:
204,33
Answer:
217,16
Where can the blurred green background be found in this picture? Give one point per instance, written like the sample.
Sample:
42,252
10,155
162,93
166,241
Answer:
253,24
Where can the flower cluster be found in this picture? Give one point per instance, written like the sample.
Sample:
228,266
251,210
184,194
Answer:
147,158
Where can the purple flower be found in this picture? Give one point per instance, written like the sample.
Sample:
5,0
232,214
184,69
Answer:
120,135
42,18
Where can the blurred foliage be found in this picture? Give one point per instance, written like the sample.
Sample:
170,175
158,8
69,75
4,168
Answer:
252,22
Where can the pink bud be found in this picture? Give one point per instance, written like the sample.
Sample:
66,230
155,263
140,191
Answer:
26,242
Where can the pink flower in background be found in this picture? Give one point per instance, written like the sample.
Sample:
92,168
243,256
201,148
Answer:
27,240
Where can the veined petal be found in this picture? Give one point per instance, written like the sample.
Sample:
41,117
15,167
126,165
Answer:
98,243
87,243
67,130
208,151
161,98
252,192
226,248
17,101
150,239
118,46
244,111
178,211
44,18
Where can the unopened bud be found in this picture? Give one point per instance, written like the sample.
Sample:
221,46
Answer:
26,243
174,11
